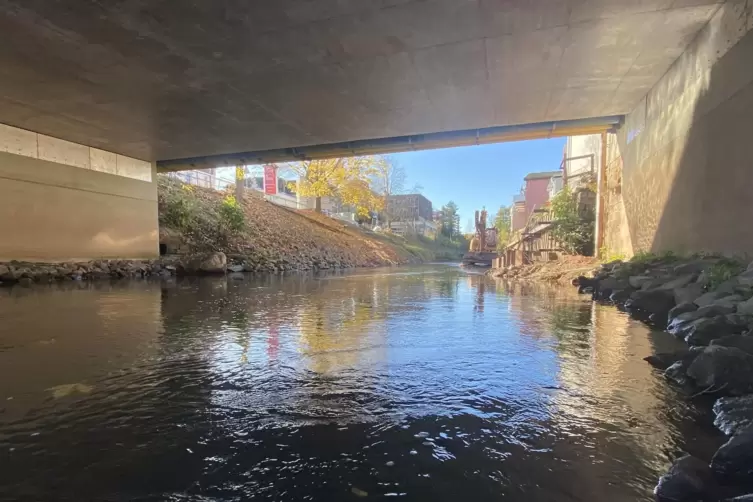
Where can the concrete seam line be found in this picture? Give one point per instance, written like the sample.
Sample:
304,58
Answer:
79,189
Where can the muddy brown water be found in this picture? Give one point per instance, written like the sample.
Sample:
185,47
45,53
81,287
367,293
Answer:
420,384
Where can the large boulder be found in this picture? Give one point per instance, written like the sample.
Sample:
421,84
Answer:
681,308
712,310
709,298
735,458
689,479
707,329
742,342
678,282
724,370
663,360
693,267
746,307
637,281
733,414
654,301
730,301
689,293
212,263
678,371
728,287
620,296
681,327
605,287
746,278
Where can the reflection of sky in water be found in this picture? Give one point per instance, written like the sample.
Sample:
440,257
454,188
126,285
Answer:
271,386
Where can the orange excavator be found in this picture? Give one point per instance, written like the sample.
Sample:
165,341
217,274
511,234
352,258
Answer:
483,245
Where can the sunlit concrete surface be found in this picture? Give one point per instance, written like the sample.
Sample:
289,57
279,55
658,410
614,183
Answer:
680,170
62,201
168,80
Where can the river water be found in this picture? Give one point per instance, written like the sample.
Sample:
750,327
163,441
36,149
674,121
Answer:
421,384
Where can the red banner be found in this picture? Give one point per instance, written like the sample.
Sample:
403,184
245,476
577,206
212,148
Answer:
270,179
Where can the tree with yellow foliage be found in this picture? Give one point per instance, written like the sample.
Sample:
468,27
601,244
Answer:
345,178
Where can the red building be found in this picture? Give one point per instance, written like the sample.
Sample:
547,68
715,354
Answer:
537,190
535,195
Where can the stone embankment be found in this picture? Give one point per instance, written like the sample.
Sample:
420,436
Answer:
28,273
708,303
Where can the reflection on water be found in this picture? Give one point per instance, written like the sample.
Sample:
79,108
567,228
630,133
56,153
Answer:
425,383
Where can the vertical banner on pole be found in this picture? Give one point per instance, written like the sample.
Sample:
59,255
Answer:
270,179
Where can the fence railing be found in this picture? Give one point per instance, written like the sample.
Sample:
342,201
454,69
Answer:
210,179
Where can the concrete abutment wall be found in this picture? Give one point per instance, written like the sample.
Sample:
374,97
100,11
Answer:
679,172
63,201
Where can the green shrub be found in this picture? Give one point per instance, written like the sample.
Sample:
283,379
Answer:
179,209
232,216
574,231
722,271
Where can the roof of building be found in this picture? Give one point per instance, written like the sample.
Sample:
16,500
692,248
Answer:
542,175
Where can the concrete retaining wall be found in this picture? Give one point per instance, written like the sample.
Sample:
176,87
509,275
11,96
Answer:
62,201
680,170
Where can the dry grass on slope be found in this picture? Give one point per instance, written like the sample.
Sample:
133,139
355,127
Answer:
270,233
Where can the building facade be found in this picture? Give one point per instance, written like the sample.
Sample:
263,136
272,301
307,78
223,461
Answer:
409,207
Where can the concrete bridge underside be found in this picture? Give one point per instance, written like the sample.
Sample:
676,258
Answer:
168,80
95,97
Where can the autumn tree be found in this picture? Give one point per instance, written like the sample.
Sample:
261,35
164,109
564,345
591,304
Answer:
345,178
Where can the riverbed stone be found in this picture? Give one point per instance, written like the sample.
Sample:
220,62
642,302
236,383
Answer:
726,370
746,278
656,301
657,282
715,309
689,479
212,263
637,281
729,301
678,371
693,267
681,308
728,287
682,324
235,268
742,342
709,298
678,282
680,327
734,460
746,307
733,414
620,296
689,293
702,333
663,360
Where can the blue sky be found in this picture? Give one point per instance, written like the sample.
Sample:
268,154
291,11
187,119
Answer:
476,176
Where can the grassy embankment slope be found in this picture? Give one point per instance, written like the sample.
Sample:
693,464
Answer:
204,220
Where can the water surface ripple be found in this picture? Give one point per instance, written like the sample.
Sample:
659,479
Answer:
422,384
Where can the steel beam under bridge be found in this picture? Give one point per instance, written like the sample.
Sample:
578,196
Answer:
397,144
